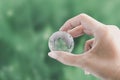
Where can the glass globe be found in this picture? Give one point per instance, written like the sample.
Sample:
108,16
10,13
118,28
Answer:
61,41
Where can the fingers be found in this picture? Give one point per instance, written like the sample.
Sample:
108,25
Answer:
89,44
67,58
71,23
90,25
77,31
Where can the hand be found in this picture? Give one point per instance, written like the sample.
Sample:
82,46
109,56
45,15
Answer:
102,53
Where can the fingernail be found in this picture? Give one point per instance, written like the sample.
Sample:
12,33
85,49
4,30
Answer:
52,55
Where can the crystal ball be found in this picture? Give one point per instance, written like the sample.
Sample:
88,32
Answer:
61,41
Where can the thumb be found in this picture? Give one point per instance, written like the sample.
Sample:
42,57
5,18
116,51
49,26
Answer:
68,58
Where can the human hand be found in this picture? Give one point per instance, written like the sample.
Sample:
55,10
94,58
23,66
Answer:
102,53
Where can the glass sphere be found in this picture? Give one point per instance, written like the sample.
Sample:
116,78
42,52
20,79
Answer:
61,41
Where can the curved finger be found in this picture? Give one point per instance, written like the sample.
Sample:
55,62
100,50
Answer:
77,31
90,25
89,44
71,23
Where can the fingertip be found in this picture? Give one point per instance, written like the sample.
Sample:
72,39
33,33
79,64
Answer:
52,55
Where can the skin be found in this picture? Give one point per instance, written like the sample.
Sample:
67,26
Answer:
102,53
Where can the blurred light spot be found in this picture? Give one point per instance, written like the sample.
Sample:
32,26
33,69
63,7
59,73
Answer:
28,78
46,36
2,73
9,13
19,47
8,68
11,68
5,68
35,38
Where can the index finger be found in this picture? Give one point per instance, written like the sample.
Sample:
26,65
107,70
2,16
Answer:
90,25
71,23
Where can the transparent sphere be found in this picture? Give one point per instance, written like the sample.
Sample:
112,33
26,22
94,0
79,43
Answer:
61,41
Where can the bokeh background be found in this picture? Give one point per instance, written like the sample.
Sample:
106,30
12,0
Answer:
25,26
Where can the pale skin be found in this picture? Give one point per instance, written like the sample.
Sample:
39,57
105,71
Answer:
102,53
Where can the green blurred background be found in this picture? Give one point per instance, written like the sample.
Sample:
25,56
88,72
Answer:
25,26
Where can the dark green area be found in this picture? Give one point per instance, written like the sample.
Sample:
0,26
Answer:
25,26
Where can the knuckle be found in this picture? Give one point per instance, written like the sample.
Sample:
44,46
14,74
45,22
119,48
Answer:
82,14
103,31
108,30
105,28
68,22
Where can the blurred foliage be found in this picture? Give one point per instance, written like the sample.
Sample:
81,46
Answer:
25,26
